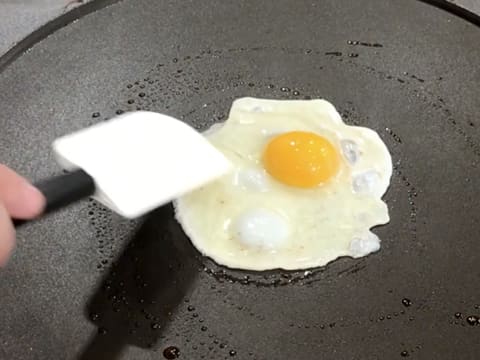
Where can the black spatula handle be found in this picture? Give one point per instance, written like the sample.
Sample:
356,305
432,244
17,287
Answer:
63,190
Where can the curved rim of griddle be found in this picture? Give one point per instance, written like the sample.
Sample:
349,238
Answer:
77,13
50,27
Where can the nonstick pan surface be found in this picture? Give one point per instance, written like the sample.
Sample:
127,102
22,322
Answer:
85,284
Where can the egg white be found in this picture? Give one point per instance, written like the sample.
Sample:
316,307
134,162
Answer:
249,220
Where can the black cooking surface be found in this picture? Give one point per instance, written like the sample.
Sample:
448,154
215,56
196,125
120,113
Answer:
87,284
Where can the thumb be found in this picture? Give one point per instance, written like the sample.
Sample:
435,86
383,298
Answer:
20,199
7,236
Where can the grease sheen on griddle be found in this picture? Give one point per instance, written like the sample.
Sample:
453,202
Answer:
305,190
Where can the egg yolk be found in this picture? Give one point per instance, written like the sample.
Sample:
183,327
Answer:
301,159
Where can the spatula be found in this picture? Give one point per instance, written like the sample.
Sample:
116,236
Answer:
132,164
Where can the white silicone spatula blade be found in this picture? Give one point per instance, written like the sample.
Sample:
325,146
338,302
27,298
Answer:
141,160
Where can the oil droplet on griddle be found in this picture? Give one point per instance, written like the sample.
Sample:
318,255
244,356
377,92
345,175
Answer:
417,78
473,320
190,308
102,331
245,280
406,302
284,89
95,115
296,93
232,353
404,353
334,53
394,135
458,315
171,352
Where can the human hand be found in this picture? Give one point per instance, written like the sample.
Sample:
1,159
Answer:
19,200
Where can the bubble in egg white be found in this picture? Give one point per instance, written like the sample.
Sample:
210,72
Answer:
366,182
350,151
361,246
261,228
251,179
260,108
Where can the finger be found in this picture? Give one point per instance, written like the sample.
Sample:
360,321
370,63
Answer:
21,199
7,236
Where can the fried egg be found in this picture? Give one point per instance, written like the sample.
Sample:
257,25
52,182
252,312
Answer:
306,188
